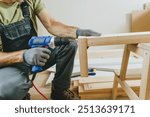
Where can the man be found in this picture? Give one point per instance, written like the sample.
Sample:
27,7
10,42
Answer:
17,26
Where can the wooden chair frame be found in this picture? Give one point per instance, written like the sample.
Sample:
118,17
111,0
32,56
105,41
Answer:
133,42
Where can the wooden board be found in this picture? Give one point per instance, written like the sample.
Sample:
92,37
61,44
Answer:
140,20
97,86
102,93
114,39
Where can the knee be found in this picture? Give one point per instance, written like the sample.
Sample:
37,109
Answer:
14,83
15,88
73,45
15,92
8,92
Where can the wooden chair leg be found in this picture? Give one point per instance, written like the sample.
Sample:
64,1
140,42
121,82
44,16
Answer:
115,88
145,80
83,57
124,64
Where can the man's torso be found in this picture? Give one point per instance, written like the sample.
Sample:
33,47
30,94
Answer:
10,13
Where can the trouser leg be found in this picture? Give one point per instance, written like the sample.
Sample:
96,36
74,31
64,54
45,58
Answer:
63,56
14,83
64,66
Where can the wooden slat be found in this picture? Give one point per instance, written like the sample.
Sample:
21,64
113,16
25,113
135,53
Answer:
115,88
135,49
96,79
97,86
83,57
145,80
106,90
76,83
124,63
132,95
124,38
102,93
132,74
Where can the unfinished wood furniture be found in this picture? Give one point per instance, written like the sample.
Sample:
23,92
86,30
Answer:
144,51
133,42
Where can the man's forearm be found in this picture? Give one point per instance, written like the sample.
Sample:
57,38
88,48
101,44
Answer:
56,28
62,30
8,58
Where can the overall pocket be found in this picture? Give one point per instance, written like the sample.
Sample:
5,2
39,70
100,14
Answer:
17,30
15,36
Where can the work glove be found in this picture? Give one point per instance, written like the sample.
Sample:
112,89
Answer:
86,32
36,56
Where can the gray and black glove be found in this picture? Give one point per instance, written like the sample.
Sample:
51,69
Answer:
87,32
37,56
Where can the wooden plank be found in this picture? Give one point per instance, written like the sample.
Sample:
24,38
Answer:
115,88
124,64
145,80
140,20
102,93
75,83
82,90
103,96
95,86
132,95
106,90
83,57
135,49
115,39
96,79
131,74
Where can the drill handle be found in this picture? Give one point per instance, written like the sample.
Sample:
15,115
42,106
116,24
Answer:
36,69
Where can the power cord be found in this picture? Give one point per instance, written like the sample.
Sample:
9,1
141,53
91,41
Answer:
33,77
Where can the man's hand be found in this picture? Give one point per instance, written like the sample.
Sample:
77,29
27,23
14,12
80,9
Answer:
87,32
37,56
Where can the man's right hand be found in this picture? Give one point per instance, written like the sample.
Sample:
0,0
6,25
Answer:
36,56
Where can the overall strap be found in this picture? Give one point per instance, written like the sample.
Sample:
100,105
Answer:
1,28
25,9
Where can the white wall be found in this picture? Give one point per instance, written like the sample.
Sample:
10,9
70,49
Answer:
105,16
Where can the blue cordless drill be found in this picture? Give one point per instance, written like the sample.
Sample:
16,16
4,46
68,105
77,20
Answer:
40,41
44,41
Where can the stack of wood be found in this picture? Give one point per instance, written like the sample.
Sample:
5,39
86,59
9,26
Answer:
100,87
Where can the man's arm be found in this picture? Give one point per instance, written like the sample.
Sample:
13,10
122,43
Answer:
8,58
56,28
33,56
